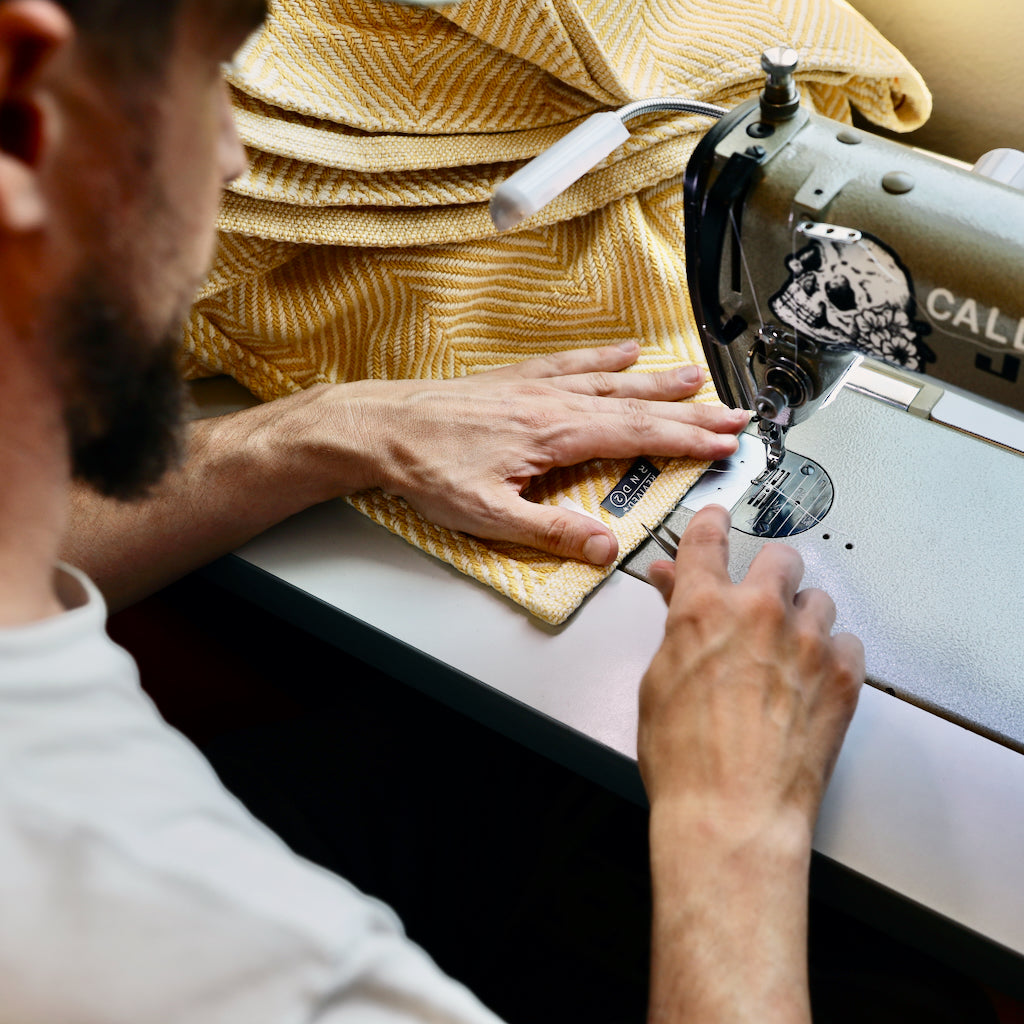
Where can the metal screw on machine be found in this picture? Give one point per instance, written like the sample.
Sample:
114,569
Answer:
780,99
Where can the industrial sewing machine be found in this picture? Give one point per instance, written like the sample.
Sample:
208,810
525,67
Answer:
899,477
810,243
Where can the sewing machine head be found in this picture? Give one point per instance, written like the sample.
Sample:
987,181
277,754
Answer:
810,244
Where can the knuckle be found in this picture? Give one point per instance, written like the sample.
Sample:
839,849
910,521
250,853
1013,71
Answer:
703,601
557,534
849,685
849,677
603,384
766,607
636,416
528,391
564,361
536,422
844,693
700,414
828,606
533,409
814,646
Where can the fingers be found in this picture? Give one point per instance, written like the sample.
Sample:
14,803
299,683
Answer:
817,605
559,532
777,568
850,652
703,549
662,576
635,411
666,386
610,429
595,372
574,361
607,382
847,677
579,407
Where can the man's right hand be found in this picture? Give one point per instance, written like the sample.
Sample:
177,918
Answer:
742,714
462,451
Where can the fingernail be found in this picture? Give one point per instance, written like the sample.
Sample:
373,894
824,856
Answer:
628,346
598,549
691,374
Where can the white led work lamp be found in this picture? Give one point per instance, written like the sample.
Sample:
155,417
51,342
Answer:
533,186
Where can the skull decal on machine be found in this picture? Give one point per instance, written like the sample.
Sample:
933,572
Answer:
857,295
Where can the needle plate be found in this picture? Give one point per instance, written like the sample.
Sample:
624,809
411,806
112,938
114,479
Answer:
788,500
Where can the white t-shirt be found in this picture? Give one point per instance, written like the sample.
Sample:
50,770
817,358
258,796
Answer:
135,889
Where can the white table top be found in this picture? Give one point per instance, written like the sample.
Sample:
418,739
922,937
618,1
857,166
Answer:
918,805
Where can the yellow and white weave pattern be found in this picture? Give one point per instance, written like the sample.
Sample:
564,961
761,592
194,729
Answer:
358,244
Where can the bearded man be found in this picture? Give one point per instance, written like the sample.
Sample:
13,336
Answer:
133,888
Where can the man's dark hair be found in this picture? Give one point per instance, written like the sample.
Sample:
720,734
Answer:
95,14
126,35
134,36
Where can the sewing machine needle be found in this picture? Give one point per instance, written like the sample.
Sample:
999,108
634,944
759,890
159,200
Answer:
668,549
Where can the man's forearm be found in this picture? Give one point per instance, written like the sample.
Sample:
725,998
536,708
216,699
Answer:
729,940
242,473
742,712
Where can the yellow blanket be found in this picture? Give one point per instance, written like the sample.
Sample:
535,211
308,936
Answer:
358,244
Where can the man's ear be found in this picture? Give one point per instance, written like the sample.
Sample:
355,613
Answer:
31,33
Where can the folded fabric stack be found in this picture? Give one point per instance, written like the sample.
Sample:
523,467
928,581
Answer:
358,244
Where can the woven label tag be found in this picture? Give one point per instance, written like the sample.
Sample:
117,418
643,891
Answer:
630,489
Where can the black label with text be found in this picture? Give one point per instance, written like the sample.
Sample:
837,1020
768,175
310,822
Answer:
630,489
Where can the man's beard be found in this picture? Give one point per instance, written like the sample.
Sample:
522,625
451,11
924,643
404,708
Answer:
125,396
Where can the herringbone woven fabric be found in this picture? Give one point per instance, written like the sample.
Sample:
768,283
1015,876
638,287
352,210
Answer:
358,244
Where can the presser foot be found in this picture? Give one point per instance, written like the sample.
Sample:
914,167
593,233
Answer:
774,438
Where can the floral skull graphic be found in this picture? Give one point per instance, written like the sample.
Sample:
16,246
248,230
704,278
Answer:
855,294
